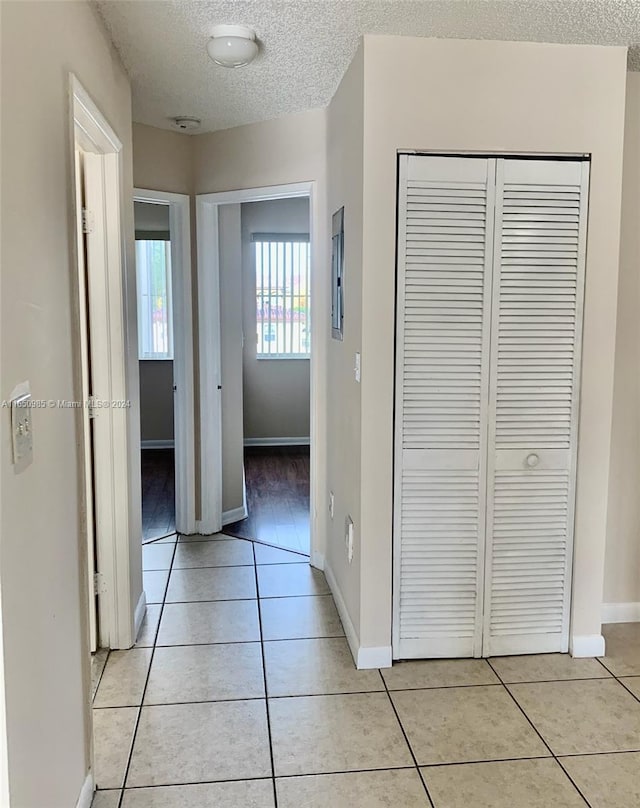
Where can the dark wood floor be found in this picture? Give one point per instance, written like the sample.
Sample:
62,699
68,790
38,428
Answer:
277,481
158,493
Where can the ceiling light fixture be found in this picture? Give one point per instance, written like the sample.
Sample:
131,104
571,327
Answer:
232,45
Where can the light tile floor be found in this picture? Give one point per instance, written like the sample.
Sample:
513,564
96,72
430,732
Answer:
235,701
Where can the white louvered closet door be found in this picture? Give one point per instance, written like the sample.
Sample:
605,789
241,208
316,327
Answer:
538,279
445,240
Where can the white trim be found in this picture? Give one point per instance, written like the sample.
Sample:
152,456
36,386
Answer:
364,658
318,561
277,441
374,657
158,444
208,284
86,792
109,307
234,515
141,610
183,364
621,612
587,645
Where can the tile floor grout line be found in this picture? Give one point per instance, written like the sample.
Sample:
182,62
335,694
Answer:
622,684
95,692
539,734
234,600
264,678
406,738
144,689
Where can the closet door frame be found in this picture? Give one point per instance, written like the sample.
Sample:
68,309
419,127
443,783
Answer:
488,344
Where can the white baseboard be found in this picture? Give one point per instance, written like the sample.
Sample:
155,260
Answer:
235,515
86,793
317,561
587,645
341,606
374,657
141,610
621,612
157,444
277,441
364,658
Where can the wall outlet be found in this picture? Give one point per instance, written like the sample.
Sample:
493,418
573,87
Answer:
331,503
348,537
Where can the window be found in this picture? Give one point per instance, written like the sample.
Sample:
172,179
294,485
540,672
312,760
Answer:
282,296
153,272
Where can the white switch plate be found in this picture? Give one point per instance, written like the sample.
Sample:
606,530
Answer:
21,429
331,503
349,538
357,367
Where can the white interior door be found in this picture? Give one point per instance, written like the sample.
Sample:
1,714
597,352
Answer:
540,242
445,243
491,256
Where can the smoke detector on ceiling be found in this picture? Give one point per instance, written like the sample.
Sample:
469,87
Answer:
185,124
232,45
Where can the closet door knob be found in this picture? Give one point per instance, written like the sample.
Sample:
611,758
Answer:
532,460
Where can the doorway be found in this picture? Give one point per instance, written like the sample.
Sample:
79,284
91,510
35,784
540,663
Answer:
165,363
260,245
276,355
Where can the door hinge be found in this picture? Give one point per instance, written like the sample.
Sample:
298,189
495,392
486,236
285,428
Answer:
98,583
87,221
91,406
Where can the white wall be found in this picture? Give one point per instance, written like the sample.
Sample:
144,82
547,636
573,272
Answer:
485,96
622,571
42,563
276,391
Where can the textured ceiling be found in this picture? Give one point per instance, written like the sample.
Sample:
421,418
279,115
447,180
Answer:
306,45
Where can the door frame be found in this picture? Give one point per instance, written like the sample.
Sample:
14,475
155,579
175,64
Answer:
208,285
183,400
114,495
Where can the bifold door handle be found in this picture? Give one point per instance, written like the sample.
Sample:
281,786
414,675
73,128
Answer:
532,460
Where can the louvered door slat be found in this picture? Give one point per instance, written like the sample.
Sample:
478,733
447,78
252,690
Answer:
441,387
537,303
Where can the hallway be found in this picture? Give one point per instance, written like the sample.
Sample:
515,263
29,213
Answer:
181,720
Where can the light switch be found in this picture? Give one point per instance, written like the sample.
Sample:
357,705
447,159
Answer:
348,537
21,429
357,367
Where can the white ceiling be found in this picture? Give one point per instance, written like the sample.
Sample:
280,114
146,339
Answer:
306,45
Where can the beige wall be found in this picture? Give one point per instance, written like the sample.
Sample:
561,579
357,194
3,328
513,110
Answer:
276,391
466,95
162,160
622,570
43,565
345,134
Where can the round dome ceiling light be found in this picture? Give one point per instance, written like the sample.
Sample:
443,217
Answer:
232,45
